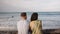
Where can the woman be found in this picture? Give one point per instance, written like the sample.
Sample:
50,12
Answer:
35,24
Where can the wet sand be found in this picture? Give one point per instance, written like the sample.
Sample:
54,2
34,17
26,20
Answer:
47,31
51,31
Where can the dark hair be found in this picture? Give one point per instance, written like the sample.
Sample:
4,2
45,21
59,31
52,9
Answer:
34,17
23,14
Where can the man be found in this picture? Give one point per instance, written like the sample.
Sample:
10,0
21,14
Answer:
23,24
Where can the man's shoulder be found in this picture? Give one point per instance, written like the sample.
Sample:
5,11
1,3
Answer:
19,21
27,22
23,21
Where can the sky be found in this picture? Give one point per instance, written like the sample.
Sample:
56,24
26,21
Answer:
29,5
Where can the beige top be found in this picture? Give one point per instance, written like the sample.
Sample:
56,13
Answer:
36,27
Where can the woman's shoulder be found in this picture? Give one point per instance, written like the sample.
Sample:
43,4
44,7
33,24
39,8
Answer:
38,20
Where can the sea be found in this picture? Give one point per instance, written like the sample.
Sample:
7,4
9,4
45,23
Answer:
50,20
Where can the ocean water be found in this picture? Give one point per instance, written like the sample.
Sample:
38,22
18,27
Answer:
50,20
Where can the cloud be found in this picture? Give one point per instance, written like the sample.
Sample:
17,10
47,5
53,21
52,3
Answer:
30,5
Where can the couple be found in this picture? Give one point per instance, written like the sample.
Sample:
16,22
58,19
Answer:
34,26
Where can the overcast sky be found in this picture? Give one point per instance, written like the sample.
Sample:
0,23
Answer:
29,5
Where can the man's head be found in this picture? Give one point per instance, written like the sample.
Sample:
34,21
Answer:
23,15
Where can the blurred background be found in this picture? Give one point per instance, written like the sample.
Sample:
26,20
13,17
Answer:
50,21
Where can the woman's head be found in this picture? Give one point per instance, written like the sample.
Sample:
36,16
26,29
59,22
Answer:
34,17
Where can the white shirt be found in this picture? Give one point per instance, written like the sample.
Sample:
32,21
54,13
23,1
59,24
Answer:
23,26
